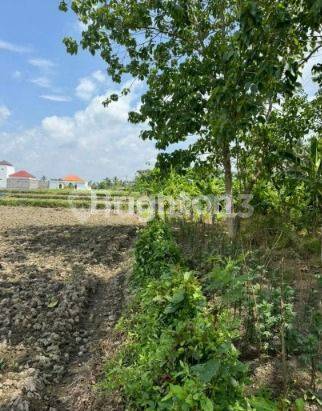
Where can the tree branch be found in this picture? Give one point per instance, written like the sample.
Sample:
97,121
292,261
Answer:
307,58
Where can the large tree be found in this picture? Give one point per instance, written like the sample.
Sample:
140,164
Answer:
212,68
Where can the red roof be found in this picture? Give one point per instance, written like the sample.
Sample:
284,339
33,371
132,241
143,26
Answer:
73,179
21,174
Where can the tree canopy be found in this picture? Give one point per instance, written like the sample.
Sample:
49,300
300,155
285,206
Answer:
212,68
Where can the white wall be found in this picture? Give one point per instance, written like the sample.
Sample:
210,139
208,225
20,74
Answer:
17,183
54,184
5,171
43,184
82,186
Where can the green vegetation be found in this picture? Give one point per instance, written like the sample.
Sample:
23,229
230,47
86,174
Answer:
114,184
48,202
63,193
171,183
66,198
213,70
178,355
224,79
182,327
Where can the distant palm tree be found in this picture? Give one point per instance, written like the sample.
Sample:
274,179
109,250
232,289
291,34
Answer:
306,167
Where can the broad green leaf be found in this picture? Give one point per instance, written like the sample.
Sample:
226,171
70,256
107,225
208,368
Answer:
207,371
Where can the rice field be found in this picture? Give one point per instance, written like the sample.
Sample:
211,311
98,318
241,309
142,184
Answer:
98,199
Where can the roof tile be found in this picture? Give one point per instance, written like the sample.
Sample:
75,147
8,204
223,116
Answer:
73,179
21,174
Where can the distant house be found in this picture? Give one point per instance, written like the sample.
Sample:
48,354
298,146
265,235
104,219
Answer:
22,180
5,170
70,181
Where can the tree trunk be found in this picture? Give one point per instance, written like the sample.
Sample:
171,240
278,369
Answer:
228,175
232,218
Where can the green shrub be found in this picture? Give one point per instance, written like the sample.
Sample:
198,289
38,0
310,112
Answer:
242,287
155,252
178,354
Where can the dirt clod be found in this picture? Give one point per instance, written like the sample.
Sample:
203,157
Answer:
61,292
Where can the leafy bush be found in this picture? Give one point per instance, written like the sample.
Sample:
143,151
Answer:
170,182
241,287
155,252
178,354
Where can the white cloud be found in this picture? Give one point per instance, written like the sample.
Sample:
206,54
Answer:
45,79
43,82
99,76
60,129
89,86
4,114
41,63
56,97
86,89
95,143
5,45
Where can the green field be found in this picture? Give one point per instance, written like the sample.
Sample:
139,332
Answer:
63,199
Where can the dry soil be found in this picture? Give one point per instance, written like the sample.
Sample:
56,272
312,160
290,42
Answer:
62,281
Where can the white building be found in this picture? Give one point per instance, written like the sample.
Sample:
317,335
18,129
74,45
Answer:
70,181
5,170
22,180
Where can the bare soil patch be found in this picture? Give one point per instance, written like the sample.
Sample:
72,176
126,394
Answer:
61,293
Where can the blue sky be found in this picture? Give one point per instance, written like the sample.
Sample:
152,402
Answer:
52,121
37,28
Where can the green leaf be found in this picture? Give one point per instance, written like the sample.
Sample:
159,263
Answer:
114,97
187,276
63,6
261,404
178,297
207,405
170,309
177,391
299,404
53,303
71,45
207,371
